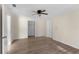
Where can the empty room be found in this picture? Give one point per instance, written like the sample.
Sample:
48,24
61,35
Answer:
40,28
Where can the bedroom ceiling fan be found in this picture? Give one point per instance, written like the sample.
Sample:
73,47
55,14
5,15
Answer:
40,12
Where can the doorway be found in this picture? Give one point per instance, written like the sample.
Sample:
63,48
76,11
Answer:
31,28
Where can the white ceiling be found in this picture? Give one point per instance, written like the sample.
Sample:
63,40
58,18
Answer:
52,9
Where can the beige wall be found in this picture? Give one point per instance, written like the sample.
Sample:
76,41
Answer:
66,28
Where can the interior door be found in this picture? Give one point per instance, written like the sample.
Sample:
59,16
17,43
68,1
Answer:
31,28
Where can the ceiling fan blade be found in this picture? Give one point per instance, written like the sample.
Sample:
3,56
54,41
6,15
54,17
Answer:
14,5
43,10
34,14
45,13
34,11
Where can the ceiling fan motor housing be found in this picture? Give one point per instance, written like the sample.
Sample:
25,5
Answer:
39,11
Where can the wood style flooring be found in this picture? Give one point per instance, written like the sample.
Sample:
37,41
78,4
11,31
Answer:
40,45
